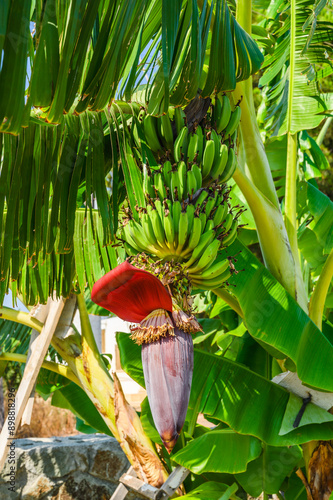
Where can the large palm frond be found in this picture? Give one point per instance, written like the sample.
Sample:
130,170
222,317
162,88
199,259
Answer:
81,55
51,180
302,38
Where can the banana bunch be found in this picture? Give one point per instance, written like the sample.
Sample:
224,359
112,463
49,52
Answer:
177,182
210,147
160,132
192,233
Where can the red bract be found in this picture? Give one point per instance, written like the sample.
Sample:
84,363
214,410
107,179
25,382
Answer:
131,293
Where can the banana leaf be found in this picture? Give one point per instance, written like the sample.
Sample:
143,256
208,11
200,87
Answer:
203,454
294,68
275,319
231,393
83,55
213,491
75,399
315,239
268,472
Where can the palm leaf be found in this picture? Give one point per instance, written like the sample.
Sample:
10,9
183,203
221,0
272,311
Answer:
50,178
231,393
15,339
311,49
83,55
271,314
199,456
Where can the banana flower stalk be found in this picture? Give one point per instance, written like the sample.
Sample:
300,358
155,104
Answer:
164,331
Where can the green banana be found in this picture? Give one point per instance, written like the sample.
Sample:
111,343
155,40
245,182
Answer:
190,216
150,127
197,174
182,231
202,196
182,179
221,162
217,268
180,146
195,236
209,225
201,143
226,224
157,225
127,237
159,207
148,230
208,256
166,131
217,110
220,213
209,205
139,236
213,283
191,183
233,122
217,141
192,147
159,186
179,119
208,158
176,211
205,239
130,250
166,169
132,237
230,166
225,113
147,183
169,229
203,218
231,236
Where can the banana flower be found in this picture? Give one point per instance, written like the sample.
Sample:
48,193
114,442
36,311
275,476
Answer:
163,330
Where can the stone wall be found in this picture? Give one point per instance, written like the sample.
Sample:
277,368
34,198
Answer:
85,467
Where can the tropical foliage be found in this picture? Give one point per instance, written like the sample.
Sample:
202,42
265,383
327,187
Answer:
77,78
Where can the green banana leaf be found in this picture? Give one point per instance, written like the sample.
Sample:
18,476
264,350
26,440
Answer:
213,491
305,44
83,55
231,393
268,472
219,451
48,382
75,399
275,319
47,175
14,339
295,489
315,239
148,422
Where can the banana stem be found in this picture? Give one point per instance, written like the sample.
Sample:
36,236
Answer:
273,239
20,317
91,372
324,130
48,365
244,19
317,302
229,299
290,198
256,158
86,329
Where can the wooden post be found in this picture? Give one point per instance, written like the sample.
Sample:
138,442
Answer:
32,368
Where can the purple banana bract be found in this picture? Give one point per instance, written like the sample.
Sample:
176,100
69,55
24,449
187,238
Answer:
168,368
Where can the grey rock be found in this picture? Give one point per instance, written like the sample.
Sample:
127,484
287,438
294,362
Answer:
85,467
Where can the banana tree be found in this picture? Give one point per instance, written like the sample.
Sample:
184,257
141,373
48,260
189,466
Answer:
146,110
